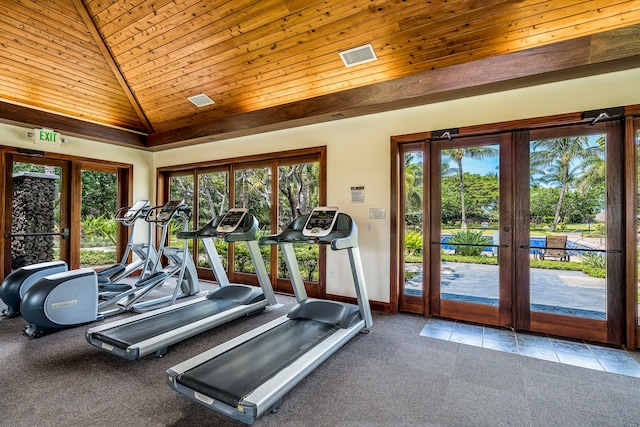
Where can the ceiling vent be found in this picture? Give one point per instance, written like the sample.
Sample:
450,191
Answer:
358,55
201,100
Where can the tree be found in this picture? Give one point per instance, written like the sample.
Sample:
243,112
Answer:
213,200
456,155
482,194
298,187
181,187
413,189
593,168
99,194
253,192
560,161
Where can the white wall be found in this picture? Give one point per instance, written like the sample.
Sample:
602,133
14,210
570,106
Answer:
358,153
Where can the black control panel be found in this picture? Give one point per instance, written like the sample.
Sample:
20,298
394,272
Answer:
231,220
320,221
169,209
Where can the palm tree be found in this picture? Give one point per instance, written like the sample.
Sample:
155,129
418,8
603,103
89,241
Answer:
413,182
593,168
456,155
560,159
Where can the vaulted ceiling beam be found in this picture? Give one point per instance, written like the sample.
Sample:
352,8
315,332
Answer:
599,53
97,37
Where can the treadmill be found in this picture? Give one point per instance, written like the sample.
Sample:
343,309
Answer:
152,332
250,374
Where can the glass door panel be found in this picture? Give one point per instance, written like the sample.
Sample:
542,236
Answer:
471,229
98,238
38,225
298,195
213,200
253,192
568,236
413,245
181,187
470,217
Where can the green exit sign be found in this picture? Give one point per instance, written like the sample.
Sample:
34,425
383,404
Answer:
47,137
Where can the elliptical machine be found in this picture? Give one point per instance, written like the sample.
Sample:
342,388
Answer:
70,298
16,284
147,255
180,262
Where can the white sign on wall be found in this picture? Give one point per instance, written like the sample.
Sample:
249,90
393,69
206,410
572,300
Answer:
357,194
376,213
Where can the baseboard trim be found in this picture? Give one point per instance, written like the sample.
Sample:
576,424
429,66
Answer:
382,307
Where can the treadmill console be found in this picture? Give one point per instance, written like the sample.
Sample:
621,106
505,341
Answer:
231,220
169,209
137,207
320,221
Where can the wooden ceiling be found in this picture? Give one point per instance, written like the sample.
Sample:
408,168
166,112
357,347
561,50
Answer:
121,70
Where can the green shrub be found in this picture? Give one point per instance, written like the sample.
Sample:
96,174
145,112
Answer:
413,242
89,257
594,260
470,237
488,260
556,265
98,231
413,259
599,273
408,275
307,257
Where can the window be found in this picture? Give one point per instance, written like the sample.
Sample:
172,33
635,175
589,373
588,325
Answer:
276,188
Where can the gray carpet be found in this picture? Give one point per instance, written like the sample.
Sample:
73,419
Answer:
390,377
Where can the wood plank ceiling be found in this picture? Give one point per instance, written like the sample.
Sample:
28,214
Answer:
107,68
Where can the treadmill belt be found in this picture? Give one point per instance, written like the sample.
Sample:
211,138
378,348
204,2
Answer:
234,374
130,333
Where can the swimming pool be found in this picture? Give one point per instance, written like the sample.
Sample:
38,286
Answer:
534,242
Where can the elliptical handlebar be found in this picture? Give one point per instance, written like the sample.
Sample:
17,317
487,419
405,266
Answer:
129,214
161,215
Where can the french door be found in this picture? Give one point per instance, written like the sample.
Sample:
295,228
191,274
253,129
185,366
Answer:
60,207
465,230
570,276
518,229
37,217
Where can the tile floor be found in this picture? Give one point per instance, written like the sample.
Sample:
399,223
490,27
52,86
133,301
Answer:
575,353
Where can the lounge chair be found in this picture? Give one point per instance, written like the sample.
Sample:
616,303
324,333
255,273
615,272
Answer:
555,248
